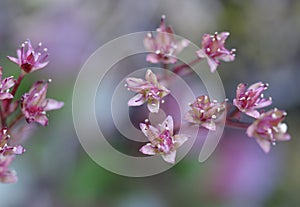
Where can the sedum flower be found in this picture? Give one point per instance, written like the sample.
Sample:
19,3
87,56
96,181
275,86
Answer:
250,99
34,104
162,140
6,157
213,49
5,85
149,90
205,112
164,45
30,59
268,129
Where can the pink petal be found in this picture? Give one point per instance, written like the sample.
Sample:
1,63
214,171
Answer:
223,36
241,88
201,53
180,139
8,83
137,100
213,64
15,60
167,124
4,96
253,113
209,125
227,57
149,43
42,120
152,58
282,137
251,130
153,106
135,84
52,104
148,149
170,157
149,131
151,77
264,144
264,103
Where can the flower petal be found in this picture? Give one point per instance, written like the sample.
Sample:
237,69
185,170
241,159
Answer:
4,96
213,64
148,149
167,124
149,131
170,157
264,144
153,106
151,77
180,139
152,58
137,100
52,104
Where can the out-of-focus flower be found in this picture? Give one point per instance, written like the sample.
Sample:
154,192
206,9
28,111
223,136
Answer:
248,100
7,175
213,49
164,46
162,140
149,90
30,59
5,85
34,104
268,128
6,157
205,112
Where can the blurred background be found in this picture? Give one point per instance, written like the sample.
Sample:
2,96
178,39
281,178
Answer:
56,171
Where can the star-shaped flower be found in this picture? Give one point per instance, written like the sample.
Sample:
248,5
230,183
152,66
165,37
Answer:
164,45
162,140
29,58
213,49
149,90
268,129
205,112
250,99
34,104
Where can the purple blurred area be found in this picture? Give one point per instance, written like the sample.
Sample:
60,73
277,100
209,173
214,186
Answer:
56,171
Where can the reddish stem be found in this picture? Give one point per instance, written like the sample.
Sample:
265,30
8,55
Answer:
178,68
3,120
237,124
18,118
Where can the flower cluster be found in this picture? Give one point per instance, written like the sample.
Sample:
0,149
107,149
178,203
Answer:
31,106
266,128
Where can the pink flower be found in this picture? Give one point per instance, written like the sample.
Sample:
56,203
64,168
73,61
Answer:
248,100
34,104
205,112
213,49
5,85
148,90
162,140
6,175
30,59
7,156
164,45
268,128
5,149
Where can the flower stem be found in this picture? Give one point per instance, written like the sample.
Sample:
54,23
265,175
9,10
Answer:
237,124
18,118
178,68
3,120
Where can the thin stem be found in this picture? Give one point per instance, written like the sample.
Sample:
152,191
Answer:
237,124
178,68
3,120
18,118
